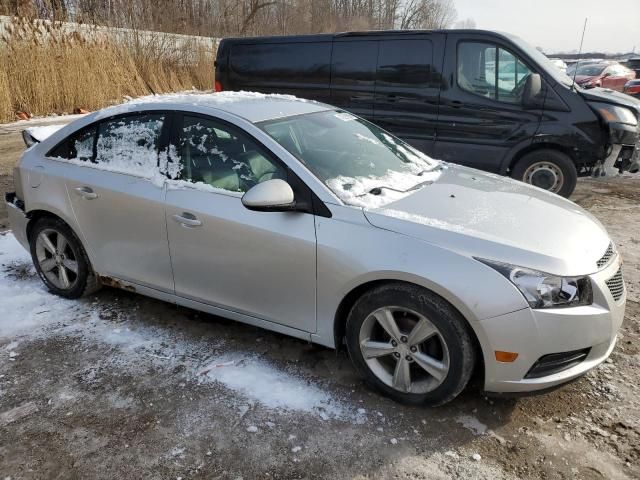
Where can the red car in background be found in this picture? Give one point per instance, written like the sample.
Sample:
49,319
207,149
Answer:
632,87
605,75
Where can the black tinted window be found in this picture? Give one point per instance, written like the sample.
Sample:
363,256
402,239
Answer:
354,63
406,63
78,146
289,61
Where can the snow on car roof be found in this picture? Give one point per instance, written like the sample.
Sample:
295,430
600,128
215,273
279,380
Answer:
252,106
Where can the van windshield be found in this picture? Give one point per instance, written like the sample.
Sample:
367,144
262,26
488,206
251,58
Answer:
361,163
542,60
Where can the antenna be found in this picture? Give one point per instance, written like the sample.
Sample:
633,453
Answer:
584,29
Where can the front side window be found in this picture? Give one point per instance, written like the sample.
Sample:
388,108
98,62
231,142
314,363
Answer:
491,71
361,163
129,144
222,157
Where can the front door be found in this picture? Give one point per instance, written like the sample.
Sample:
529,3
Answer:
119,210
261,264
481,116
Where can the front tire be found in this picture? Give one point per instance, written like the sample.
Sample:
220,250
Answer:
410,344
547,169
60,259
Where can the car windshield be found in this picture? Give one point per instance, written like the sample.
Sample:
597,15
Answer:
361,163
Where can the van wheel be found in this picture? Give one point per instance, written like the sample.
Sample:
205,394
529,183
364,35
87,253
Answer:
410,344
547,169
60,259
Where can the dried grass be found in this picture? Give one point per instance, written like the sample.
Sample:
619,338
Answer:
44,69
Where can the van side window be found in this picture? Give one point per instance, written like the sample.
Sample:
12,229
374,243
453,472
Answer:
493,72
406,63
354,63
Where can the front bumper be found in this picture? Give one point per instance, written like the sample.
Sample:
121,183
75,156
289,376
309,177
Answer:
17,218
536,333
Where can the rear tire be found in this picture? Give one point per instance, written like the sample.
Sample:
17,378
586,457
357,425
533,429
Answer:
547,169
427,360
60,259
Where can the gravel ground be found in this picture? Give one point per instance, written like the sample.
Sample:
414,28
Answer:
120,385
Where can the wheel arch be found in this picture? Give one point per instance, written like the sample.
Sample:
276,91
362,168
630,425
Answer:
534,147
348,301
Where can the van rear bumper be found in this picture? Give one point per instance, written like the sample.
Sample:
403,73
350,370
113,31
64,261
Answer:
17,218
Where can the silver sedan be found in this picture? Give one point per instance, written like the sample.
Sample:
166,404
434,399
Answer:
307,220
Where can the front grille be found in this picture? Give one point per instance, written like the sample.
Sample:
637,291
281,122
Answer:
607,256
616,285
556,362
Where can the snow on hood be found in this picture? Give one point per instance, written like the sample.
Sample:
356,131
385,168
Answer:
484,215
44,131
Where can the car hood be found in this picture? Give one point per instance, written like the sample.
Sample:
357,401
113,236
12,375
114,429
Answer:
610,96
496,218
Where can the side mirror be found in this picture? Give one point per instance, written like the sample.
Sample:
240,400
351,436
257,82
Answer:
606,75
532,88
271,196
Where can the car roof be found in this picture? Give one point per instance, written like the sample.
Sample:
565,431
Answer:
252,106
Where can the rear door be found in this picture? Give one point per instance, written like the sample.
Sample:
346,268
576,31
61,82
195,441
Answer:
409,75
261,264
353,75
481,117
118,204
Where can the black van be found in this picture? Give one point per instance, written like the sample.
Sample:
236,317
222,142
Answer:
478,98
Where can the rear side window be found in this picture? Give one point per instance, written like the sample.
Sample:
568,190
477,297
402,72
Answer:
292,62
78,146
406,63
354,63
130,144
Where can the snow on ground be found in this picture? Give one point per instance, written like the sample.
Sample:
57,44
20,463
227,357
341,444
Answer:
29,312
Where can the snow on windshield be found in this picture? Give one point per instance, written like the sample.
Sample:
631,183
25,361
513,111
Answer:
375,191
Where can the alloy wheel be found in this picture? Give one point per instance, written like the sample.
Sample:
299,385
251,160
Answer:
56,259
404,349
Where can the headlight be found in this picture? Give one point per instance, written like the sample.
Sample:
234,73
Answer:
542,290
612,113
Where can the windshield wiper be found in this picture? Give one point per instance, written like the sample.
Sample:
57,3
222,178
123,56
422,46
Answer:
378,190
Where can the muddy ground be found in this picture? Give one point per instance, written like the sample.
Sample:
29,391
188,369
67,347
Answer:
112,386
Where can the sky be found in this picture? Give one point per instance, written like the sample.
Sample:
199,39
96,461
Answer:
556,25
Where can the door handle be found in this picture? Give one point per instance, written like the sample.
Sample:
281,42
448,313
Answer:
456,104
187,219
86,192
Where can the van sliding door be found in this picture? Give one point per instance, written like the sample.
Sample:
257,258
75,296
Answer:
353,72
408,80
